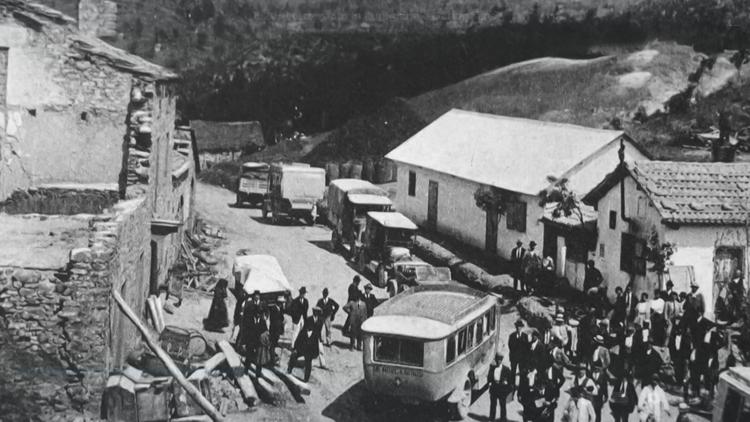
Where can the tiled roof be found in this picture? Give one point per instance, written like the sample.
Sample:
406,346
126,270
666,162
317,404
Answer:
588,214
696,193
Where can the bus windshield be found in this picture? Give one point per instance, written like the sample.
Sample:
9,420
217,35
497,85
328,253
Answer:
399,351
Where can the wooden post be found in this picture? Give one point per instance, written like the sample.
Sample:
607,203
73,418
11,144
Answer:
192,391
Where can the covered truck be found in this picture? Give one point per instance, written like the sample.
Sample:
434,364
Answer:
348,202
294,191
262,273
252,183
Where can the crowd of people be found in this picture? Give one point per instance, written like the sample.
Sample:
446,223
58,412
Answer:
610,353
259,324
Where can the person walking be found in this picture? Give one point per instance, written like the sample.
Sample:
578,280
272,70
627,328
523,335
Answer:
652,402
298,311
500,385
275,325
658,321
601,392
623,400
217,318
532,265
370,300
307,345
600,356
679,353
517,346
630,303
516,265
352,293
357,310
329,307
255,326
643,310
579,408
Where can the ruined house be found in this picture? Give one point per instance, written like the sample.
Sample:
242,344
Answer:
226,141
94,195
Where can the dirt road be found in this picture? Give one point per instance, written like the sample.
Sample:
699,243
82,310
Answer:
339,393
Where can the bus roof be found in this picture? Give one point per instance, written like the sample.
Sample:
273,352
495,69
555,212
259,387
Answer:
441,307
394,220
369,199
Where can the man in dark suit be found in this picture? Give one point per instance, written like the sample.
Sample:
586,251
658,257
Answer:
555,378
536,353
630,303
298,311
307,343
328,307
517,346
516,262
276,326
353,291
679,352
619,311
370,300
601,393
499,380
255,326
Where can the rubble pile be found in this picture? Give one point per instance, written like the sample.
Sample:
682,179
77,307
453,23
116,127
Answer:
198,263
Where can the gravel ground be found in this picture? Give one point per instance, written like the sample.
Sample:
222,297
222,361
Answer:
338,393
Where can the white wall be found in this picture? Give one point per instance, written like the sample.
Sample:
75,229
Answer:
458,216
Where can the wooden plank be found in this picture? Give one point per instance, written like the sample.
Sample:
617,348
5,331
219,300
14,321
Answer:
267,375
301,386
152,307
243,381
214,362
265,389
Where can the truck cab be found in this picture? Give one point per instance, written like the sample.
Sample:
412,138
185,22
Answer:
252,183
348,202
294,191
387,237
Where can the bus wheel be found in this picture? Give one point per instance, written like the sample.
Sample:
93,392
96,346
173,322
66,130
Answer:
459,408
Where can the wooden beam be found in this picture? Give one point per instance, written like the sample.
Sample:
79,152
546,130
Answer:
214,362
301,386
190,389
243,381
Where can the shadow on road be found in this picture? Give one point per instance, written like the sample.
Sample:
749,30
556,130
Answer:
322,244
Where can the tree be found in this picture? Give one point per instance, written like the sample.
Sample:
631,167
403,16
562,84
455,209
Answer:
566,202
741,57
492,199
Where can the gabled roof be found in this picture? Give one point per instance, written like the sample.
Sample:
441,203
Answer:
39,17
227,136
506,152
688,193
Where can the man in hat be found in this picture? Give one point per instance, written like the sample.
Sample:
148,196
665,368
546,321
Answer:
631,301
370,300
535,354
254,325
298,311
679,352
307,344
517,346
532,265
560,331
329,308
516,262
601,393
555,378
694,308
499,380
619,310
353,289
580,408
649,365
600,357
652,401
581,380
275,325
592,279
529,386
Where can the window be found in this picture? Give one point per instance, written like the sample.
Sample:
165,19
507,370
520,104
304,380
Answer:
450,351
487,323
461,341
470,336
401,351
601,250
479,331
642,204
491,315
633,255
613,219
577,248
516,216
412,183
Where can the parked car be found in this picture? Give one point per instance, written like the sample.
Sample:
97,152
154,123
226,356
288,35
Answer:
293,192
262,273
252,184
387,237
347,202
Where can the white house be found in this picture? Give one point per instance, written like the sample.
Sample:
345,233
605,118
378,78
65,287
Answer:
701,208
442,167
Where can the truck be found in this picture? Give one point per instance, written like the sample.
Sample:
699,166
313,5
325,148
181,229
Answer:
732,403
388,237
347,204
293,192
252,183
262,273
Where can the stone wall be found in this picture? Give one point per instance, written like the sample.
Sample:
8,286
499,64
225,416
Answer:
97,17
60,200
61,333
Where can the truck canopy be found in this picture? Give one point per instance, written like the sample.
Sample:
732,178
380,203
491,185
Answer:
262,273
253,166
392,220
300,182
359,192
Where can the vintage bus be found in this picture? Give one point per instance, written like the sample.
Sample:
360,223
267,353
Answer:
732,402
432,343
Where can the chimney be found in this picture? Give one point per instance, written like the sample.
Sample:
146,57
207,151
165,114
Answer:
97,18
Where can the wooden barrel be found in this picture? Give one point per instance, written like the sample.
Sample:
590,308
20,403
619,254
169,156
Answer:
380,171
332,171
345,170
368,169
356,171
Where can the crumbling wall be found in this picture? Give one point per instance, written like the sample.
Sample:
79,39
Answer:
61,333
60,200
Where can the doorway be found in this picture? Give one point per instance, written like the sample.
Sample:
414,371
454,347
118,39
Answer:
154,274
432,205
490,235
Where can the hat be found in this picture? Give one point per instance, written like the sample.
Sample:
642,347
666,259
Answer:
573,322
599,338
499,355
559,318
281,299
317,310
693,285
303,289
356,279
256,292
519,323
325,290
518,242
683,407
532,243
368,287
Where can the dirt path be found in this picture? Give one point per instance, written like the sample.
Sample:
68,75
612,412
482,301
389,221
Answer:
339,393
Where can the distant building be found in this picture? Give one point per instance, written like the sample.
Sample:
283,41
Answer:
442,167
701,208
226,141
95,196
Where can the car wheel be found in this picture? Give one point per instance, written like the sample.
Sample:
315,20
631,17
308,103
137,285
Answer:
275,218
459,408
238,201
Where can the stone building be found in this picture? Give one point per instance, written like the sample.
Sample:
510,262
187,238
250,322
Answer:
95,195
226,141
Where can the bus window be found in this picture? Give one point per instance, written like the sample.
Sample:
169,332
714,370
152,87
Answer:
411,353
470,336
479,330
461,341
492,319
386,349
450,351
487,323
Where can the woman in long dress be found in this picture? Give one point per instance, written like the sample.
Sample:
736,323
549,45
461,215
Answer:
217,318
